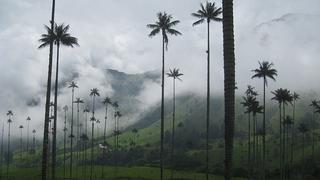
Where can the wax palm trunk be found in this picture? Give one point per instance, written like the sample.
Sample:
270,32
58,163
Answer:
162,112
173,127
92,139
8,152
54,131
47,106
71,136
229,83
1,160
249,146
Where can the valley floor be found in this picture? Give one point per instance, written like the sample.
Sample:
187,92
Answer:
132,173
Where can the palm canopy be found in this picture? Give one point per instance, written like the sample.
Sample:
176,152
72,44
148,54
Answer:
175,73
278,95
282,96
115,104
265,71
250,91
86,110
63,37
117,114
209,12
28,118
164,24
9,113
47,39
107,101
249,103
94,92
20,126
93,119
65,108
78,101
314,103
295,96
256,108
34,131
59,35
73,85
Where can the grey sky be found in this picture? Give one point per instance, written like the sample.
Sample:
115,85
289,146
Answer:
113,34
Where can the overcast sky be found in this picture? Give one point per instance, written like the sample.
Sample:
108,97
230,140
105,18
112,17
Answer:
113,34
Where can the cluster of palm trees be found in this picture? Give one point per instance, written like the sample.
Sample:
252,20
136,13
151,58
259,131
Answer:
287,129
21,149
58,35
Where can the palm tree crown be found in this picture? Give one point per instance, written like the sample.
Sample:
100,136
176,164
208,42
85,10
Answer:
63,37
73,85
107,101
265,71
164,24
94,92
207,12
175,74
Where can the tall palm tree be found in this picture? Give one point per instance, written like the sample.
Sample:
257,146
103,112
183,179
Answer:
107,101
28,122
286,98
295,96
115,106
63,38
65,108
47,40
174,74
248,102
314,104
93,93
21,148
78,101
229,85
264,71
208,12
9,114
278,96
163,25
72,85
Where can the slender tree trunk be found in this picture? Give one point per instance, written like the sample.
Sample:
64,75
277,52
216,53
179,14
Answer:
28,136
64,143
292,136
85,147
229,83
162,113
92,139
47,107
303,159
71,136
2,135
314,124
264,131
283,142
280,125
249,146
77,140
208,101
54,131
8,153
104,140
173,126
21,145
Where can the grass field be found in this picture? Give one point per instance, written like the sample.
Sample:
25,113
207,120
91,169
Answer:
132,173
